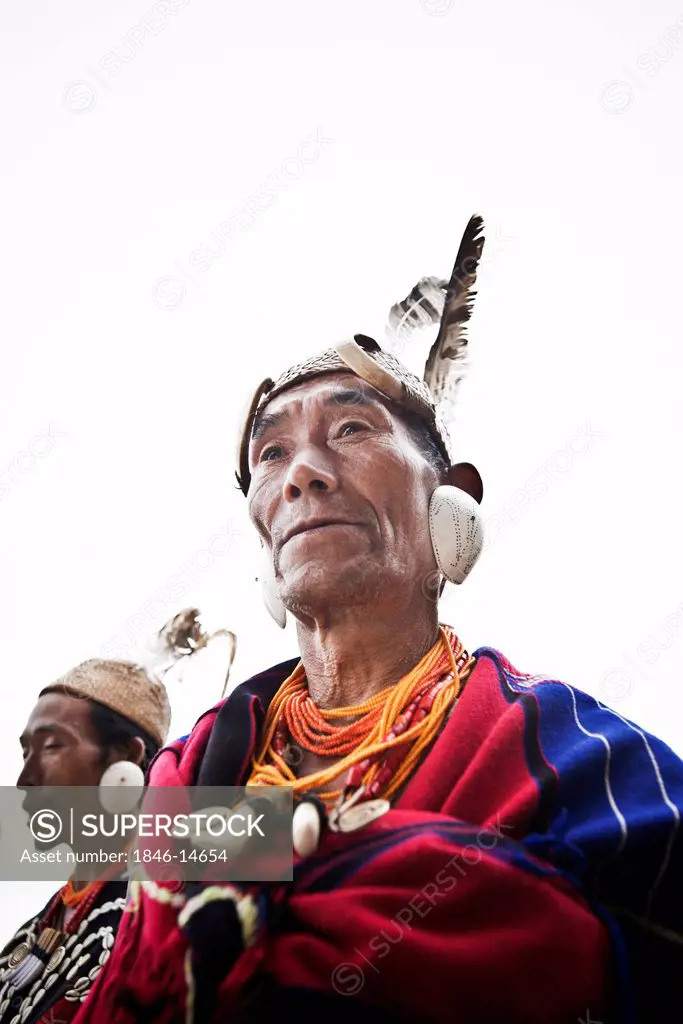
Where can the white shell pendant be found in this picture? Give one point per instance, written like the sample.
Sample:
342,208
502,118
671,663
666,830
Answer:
306,829
361,815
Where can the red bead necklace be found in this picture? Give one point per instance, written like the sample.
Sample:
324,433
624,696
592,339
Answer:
86,900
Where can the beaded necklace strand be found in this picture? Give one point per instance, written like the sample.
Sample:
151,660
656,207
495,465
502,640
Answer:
372,747
72,897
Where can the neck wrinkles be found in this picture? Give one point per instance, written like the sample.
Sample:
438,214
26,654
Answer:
363,653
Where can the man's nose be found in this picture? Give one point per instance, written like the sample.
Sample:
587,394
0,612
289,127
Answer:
310,470
28,774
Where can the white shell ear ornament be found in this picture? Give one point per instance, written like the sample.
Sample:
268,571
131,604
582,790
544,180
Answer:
121,787
269,592
456,528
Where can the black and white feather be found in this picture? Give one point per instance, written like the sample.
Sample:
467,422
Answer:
447,358
448,304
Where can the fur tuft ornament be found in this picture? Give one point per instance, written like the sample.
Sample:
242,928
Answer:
183,636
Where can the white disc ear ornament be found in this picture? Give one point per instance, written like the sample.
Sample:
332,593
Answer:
457,531
121,787
269,593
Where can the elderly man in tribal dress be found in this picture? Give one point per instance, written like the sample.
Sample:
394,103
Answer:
471,843
92,725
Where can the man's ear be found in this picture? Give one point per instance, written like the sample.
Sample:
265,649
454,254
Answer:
466,476
136,751
133,751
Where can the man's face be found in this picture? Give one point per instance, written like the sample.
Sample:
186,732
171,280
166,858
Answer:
59,745
339,494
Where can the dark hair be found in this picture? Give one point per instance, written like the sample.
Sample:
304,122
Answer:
115,730
425,442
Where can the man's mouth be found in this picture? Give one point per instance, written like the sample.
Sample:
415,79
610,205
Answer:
28,805
314,525
35,799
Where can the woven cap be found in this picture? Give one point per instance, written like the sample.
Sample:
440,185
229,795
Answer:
405,388
124,687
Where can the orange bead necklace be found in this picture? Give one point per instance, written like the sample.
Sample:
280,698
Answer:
71,896
384,742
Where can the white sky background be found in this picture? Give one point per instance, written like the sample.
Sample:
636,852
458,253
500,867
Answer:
423,114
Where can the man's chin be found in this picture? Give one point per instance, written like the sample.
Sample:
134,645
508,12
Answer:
323,585
46,798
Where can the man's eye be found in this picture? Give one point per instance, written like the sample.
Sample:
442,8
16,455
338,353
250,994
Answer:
351,428
53,746
271,453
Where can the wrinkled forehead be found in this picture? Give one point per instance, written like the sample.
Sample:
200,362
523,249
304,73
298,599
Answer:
339,390
370,375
